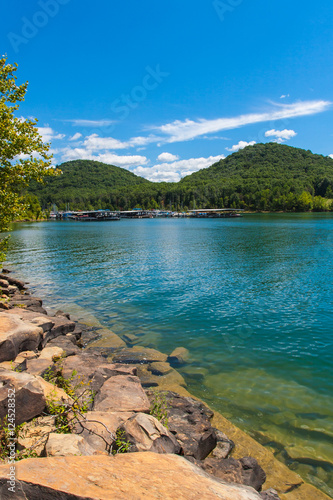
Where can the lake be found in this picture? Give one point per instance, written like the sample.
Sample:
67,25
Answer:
251,298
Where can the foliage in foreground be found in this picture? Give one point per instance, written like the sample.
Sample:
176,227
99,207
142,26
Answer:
23,155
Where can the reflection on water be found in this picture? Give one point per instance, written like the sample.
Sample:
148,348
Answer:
250,298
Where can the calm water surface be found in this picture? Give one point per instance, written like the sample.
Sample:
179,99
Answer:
250,298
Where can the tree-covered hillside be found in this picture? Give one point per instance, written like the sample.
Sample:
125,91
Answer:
261,177
265,177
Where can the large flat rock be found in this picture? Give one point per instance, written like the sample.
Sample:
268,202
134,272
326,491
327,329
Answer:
131,476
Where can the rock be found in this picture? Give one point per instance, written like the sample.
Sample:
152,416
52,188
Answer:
270,495
28,394
88,336
179,356
146,433
52,392
99,428
189,421
223,446
17,336
159,368
93,369
244,471
64,445
13,281
52,353
20,362
123,477
4,283
34,434
130,338
66,344
122,393
171,379
40,366
43,321
109,339
63,314
62,326
139,355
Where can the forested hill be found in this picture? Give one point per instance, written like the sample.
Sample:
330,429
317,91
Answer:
87,184
265,176
261,177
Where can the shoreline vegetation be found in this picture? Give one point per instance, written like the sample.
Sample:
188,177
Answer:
84,396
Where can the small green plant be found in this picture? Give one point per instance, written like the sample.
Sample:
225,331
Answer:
10,435
159,407
120,444
15,368
67,413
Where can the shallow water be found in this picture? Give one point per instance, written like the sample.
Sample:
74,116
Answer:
251,299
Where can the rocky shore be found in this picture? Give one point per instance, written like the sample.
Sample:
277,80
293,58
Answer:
79,414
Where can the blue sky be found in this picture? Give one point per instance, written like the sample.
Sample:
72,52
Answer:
164,88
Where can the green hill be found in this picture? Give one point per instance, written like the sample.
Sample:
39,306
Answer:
261,177
87,184
264,177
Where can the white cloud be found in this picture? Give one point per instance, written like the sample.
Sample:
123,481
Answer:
166,157
75,137
90,123
186,130
173,172
240,145
281,135
331,156
48,134
110,158
283,96
94,143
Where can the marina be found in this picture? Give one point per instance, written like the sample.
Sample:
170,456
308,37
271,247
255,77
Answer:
138,213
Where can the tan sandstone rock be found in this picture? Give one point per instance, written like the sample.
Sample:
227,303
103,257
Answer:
146,433
27,392
16,336
64,445
130,476
99,427
122,393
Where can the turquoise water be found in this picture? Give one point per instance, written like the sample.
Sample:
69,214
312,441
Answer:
251,299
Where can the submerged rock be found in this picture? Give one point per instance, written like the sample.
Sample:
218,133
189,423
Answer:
140,355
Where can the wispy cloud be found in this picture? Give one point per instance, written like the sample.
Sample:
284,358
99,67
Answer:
75,137
178,131
78,122
173,172
240,145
